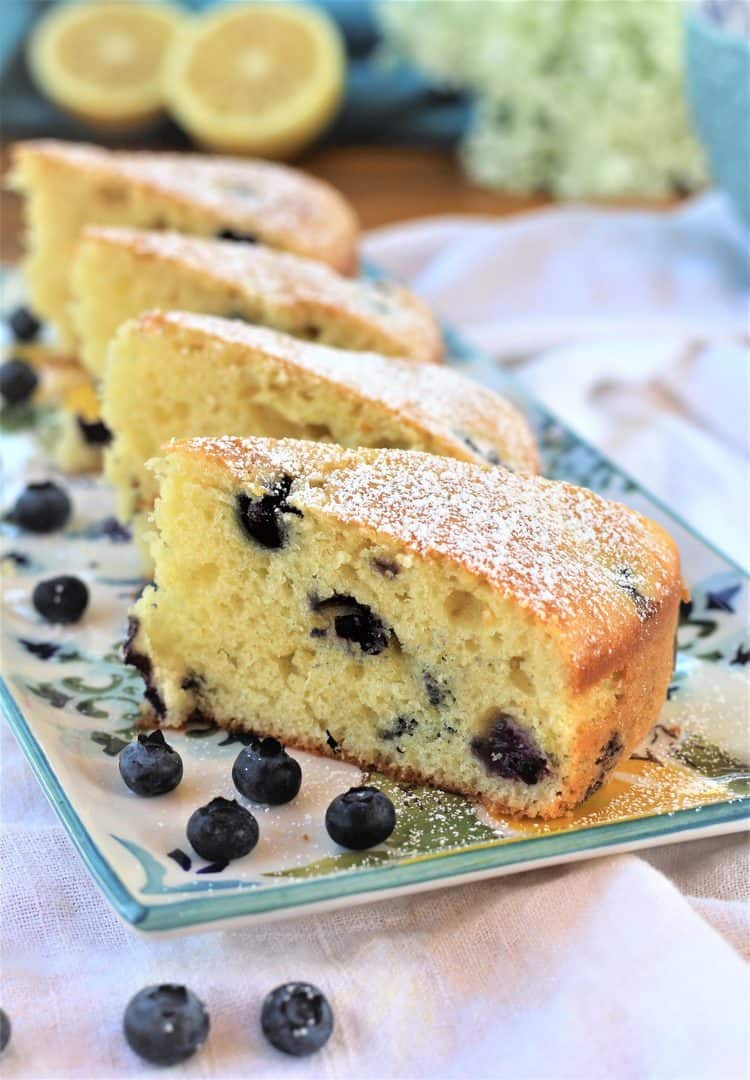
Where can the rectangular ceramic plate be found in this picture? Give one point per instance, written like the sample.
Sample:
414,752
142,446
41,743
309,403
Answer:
72,705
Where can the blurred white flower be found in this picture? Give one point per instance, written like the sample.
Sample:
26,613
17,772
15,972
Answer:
574,97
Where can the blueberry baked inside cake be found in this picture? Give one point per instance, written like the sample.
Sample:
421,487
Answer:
120,273
79,434
70,185
502,636
174,374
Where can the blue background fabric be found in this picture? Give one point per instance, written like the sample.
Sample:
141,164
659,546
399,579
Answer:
718,74
382,103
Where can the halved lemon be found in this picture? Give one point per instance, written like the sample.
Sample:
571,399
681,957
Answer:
259,79
103,61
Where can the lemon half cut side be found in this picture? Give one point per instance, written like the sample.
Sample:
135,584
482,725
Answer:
261,79
103,61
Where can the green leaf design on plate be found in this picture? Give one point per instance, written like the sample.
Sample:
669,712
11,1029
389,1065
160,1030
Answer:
18,417
154,874
65,656
49,693
112,742
335,864
711,760
705,628
79,685
88,707
95,698
712,656
114,654
427,821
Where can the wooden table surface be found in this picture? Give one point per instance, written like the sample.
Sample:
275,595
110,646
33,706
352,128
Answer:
388,184
385,184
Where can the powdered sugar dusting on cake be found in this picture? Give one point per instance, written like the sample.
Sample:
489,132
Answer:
563,553
289,282
469,421
270,199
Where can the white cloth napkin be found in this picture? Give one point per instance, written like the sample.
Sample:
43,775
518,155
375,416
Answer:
633,326
599,969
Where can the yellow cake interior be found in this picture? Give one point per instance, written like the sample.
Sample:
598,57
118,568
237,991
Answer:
253,637
67,189
175,375
118,274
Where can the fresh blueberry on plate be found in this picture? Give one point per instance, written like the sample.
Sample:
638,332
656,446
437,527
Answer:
5,1030
149,766
222,830
360,818
41,508
18,381
61,599
24,324
264,772
165,1024
297,1019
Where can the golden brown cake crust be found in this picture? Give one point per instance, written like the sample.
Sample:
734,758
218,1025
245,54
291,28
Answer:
464,419
278,204
384,310
604,579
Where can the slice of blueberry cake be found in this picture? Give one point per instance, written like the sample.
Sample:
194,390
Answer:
120,273
70,185
173,375
502,636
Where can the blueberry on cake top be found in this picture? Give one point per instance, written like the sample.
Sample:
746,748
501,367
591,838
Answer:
503,636
174,374
120,273
70,185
